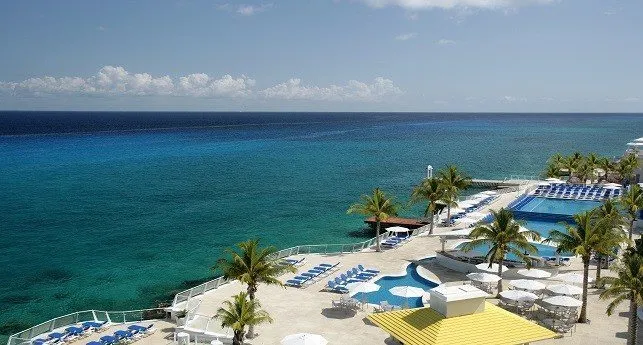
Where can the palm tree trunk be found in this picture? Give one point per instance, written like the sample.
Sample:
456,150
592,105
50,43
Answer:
599,257
377,236
631,327
448,215
583,309
252,289
500,275
629,234
237,339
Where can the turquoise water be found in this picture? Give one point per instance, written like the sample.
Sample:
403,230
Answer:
559,206
411,278
543,227
120,216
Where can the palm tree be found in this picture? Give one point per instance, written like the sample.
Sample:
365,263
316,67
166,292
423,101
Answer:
431,191
611,235
557,160
504,235
378,205
592,162
606,165
453,181
632,202
552,170
627,285
581,239
253,265
239,313
571,164
626,167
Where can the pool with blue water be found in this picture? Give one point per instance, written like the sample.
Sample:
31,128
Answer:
411,278
543,250
557,206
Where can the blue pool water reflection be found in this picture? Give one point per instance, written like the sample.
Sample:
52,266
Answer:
411,278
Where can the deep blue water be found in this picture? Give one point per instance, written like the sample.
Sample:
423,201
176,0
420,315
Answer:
117,210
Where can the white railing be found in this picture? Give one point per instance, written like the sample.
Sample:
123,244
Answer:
114,317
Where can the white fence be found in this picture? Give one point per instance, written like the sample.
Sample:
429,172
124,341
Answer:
114,317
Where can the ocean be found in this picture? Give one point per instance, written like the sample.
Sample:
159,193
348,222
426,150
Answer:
117,211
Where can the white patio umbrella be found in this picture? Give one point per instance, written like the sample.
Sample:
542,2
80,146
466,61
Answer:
517,295
526,284
483,277
611,186
565,289
534,273
489,192
397,229
363,287
563,301
544,184
574,278
554,180
457,210
493,269
407,291
304,339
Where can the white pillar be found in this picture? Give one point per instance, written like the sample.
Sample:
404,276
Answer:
429,171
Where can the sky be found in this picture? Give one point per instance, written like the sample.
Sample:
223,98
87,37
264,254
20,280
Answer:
323,55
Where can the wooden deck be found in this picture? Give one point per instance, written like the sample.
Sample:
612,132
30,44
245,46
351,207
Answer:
410,223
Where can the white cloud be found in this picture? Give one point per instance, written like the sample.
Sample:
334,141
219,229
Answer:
113,81
406,37
101,28
512,99
249,10
632,99
354,90
110,81
445,42
414,5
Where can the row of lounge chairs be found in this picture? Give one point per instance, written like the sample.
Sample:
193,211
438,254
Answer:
73,333
353,275
130,335
294,262
579,192
481,200
310,276
395,241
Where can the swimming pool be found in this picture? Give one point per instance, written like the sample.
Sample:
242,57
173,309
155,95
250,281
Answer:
543,250
543,227
411,278
556,206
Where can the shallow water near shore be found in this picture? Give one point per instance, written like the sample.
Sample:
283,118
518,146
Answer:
117,214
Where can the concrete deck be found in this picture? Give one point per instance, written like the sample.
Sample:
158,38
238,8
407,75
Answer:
296,310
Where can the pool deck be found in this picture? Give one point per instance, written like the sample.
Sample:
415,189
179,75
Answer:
296,310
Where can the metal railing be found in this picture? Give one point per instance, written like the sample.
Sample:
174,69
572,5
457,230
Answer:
115,317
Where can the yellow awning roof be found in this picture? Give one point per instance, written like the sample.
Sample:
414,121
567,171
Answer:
494,326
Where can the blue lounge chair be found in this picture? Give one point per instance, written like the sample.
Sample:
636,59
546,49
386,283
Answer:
361,268
295,283
121,334
39,341
347,279
358,275
357,272
108,340
140,329
336,287
57,336
95,343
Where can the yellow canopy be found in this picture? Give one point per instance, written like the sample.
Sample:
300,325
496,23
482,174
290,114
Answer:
493,326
